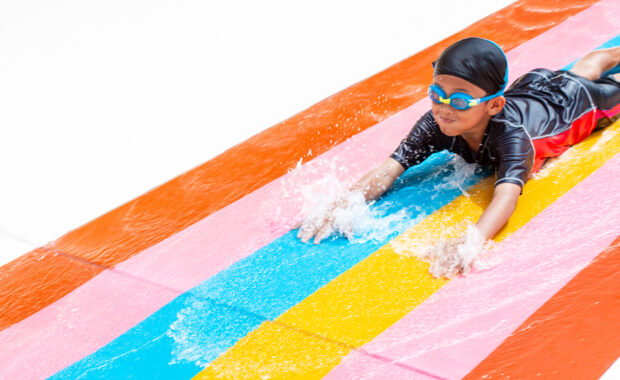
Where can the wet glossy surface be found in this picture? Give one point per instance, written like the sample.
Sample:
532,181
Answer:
168,209
267,283
217,183
36,280
581,318
274,307
108,302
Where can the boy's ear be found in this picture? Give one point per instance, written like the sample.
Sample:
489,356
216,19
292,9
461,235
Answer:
495,105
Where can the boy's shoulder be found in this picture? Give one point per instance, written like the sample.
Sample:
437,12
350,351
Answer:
509,139
509,121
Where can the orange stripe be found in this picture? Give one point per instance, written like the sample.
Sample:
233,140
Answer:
168,209
37,279
569,336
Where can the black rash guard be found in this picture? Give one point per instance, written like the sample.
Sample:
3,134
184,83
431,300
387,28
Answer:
545,113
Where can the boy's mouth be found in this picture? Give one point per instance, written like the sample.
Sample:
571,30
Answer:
445,119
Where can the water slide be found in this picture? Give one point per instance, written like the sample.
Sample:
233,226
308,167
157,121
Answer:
203,276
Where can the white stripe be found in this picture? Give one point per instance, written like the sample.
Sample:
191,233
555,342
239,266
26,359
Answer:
506,178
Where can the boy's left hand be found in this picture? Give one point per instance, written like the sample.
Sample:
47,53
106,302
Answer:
447,262
455,256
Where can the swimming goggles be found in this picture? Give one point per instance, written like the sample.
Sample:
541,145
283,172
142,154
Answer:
458,100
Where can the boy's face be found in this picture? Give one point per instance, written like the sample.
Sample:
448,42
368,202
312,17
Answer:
453,122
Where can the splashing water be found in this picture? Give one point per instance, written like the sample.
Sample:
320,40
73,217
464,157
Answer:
606,136
204,329
288,207
572,154
313,189
360,221
454,256
450,256
461,173
189,344
355,219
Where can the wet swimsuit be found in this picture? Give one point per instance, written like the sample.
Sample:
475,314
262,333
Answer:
545,113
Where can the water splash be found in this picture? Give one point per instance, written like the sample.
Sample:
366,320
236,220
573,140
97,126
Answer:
461,174
459,250
349,213
189,342
313,189
606,136
549,166
288,208
204,329
361,222
459,255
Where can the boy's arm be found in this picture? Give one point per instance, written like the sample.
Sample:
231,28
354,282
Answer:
499,210
424,139
372,185
377,181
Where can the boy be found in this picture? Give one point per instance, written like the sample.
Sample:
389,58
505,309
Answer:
541,115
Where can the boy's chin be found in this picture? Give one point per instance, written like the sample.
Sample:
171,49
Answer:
449,131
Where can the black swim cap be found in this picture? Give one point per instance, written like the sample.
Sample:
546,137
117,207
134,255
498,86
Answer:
478,61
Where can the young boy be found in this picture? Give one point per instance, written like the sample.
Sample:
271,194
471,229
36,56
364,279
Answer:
541,115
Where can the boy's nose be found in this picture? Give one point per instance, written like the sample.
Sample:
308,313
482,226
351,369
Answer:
446,109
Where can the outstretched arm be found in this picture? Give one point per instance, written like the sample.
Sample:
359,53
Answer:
372,185
499,210
377,181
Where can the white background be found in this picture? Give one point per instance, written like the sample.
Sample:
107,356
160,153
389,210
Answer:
101,101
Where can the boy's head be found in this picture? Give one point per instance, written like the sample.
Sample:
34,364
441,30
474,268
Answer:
470,69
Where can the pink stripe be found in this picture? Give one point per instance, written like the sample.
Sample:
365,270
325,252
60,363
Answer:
584,32
463,322
207,247
78,324
369,367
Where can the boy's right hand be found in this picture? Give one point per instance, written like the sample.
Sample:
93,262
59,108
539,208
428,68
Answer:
370,187
320,229
322,226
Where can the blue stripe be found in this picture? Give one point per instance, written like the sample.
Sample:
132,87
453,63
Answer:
147,350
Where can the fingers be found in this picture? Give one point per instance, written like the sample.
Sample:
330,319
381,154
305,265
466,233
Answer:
324,232
308,228
304,228
348,233
321,229
307,232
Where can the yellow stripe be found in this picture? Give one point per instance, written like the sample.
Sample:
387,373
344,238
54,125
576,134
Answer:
374,294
